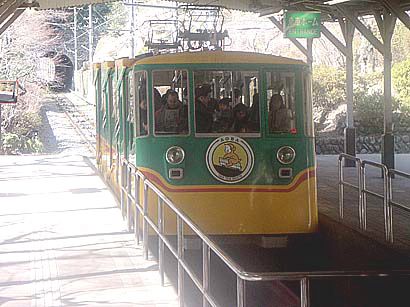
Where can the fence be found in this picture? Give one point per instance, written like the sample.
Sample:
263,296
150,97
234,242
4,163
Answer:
364,191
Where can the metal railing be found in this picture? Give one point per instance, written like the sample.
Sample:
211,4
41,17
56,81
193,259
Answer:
133,196
363,192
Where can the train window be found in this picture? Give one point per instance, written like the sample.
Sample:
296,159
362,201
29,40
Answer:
107,101
281,101
104,105
141,105
227,102
130,101
307,92
170,100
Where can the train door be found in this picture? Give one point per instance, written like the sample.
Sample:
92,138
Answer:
105,120
129,116
115,130
98,110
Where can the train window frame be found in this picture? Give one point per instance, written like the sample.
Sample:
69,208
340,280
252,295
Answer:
137,133
293,130
239,134
308,104
188,96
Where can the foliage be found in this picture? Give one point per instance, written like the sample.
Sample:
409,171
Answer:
22,122
21,50
20,144
401,43
329,94
401,80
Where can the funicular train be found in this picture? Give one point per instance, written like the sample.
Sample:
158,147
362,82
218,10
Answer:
227,136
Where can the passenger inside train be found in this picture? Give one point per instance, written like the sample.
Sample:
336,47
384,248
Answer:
280,100
225,102
171,114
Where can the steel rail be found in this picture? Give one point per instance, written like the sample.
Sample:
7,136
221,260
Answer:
208,245
387,196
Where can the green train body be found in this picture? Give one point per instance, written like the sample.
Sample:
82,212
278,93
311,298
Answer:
253,180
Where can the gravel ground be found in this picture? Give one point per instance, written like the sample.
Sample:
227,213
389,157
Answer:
58,133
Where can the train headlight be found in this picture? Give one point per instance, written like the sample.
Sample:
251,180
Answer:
286,155
175,155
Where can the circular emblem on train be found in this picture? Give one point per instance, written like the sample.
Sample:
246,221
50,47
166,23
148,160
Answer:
229,159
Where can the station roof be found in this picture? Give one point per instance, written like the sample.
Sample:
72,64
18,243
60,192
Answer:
54,4
360,7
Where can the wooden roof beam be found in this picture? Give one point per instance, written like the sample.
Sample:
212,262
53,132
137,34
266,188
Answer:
394,7
334,40
12,19
10,10
298,44
362,28
5,6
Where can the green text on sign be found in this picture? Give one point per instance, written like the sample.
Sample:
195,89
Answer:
302,24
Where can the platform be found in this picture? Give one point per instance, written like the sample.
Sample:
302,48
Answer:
327,172
63,241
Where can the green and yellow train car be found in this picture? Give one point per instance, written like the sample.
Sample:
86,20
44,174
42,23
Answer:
227,136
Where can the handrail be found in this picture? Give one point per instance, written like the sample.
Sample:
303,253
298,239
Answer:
363,191
140,202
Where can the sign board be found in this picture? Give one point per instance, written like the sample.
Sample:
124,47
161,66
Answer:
302,24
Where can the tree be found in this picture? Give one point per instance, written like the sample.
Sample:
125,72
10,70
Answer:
401,81
21,50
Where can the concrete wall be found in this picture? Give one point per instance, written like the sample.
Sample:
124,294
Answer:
364,144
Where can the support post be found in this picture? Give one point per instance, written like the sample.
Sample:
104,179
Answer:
347,50
309,56
386,23
350,131
387,30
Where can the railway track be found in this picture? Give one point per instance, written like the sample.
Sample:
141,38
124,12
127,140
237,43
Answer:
81,115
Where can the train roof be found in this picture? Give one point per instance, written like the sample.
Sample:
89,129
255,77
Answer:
108,65
125,62
220,57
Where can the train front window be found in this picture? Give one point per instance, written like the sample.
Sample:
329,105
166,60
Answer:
170,100
227,102
281,101
141,105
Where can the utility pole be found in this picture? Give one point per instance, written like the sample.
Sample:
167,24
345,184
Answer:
132,29
90,91
90,34
75,49
75,41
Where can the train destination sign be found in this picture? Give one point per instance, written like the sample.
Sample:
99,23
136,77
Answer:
302,24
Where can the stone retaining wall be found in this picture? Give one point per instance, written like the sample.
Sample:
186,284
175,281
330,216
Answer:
364,144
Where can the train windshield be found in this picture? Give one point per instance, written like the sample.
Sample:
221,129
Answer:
227,102
171,102
281,101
